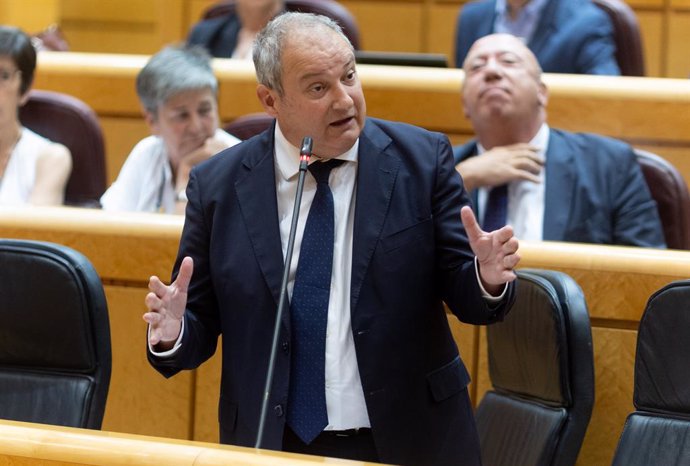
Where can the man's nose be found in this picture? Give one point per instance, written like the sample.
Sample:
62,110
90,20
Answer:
341,97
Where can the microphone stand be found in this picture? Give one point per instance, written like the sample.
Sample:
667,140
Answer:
304,156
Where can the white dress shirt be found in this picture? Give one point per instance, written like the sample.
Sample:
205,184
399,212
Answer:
525,198
525,23
344,395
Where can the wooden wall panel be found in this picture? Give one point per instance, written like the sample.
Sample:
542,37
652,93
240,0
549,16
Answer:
679,38
651,28
158,406
386,25
613,388
442,20
207,387
122,26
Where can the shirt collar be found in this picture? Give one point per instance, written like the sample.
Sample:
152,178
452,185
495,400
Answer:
532,8
540,140
287,155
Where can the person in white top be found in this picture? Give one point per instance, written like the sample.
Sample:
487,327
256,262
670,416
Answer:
178,92
33,170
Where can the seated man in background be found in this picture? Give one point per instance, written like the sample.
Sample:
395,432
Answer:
33,170
178,92
232,36
553,185
567,36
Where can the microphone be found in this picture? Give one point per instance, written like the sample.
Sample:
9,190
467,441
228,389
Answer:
304,156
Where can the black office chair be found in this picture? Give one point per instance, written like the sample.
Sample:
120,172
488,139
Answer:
69,121
670,192
542,375
658,431
55,358
626,35
330,8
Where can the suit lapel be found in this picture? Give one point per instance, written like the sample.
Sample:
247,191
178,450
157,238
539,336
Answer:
256,195
376,173
545,28
558,192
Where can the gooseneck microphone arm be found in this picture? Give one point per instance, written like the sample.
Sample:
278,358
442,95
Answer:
304,156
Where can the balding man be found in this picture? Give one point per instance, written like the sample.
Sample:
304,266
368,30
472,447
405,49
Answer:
560,186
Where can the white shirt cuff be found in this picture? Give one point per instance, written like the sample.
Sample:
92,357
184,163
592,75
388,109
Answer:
485,294
171,351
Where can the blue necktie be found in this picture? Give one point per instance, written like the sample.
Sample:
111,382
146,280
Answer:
307,414
496,211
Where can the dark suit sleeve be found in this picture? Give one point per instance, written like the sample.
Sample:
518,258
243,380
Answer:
202,325
636,218
461,291
597,50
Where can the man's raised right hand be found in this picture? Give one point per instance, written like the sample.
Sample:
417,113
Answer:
166,305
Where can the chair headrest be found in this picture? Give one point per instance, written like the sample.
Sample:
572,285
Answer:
662,378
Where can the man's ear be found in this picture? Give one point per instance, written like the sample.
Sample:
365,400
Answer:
267,97
543,95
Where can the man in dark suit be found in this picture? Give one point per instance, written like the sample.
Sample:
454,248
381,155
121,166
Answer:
560,186
567,36
393,386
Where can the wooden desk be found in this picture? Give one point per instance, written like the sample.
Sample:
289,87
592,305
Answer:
28,444
651,113
127,248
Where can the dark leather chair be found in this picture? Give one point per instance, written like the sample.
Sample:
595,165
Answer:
542,375
626,32
249,125
658,431
69,121
330,8
55,358
669,190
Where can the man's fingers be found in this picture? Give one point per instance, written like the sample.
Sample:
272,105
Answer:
153,302
157,287
504,234
469,221
185,274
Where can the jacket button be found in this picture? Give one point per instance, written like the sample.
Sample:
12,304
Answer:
278,410
286,347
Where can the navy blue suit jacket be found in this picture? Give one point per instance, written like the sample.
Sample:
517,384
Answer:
217,35
572,36
595,192
410,254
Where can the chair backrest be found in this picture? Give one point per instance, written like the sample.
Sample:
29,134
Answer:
657,432
627,36
542,375
249,125
55,358
330,8
669,190
69,121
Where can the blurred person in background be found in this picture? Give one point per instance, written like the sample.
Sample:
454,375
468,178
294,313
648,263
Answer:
33,170
232,36
566,36
178,92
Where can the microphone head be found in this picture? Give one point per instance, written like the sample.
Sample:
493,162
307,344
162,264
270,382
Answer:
307,143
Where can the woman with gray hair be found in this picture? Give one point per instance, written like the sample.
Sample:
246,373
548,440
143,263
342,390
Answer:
178,92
